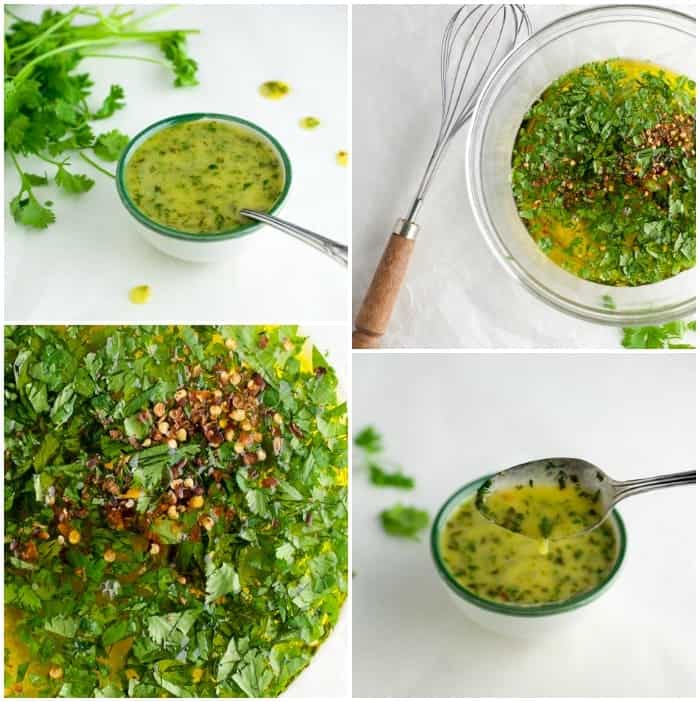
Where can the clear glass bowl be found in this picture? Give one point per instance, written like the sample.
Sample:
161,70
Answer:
653,34
510,618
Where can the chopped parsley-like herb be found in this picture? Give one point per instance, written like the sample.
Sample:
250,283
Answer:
175,510
604,172
404,521
665,336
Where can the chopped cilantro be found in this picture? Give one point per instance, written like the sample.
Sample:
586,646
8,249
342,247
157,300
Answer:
665,336
178,495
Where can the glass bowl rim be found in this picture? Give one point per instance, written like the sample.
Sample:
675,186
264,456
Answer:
533,610
189,236
475,188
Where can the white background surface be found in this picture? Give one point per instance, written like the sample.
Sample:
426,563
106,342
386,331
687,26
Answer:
82,267
449,419
456,293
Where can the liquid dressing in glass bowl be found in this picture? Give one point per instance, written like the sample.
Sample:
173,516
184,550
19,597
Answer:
657,35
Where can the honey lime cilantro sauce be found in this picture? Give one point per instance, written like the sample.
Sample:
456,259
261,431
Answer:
502,566
196,176
603,172
542,511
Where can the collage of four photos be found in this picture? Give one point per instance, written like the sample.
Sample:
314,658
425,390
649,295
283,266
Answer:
337,337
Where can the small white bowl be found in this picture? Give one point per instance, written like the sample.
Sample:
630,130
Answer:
199,248
520,621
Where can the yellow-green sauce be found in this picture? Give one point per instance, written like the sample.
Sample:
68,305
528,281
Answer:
196,176
542,512
502,566
342,158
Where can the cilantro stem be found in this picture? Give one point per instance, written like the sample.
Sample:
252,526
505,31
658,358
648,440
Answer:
127,56
106,41
96,165
18,51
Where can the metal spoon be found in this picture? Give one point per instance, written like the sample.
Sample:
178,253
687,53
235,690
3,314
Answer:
591,478
338,252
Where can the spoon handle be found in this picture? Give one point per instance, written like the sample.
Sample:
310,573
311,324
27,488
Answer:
625,488
338,252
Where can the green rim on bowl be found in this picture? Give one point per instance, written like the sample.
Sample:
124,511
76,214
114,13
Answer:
535,610
193,117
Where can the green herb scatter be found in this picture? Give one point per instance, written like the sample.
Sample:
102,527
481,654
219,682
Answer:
603,172
47,114
664,336
404,521
371,445
370,440
175,510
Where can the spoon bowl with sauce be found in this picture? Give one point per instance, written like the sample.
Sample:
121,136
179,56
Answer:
560,498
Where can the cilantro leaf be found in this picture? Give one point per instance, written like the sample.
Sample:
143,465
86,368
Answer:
109,146
378,476
404,521
73,183
113,102
665,336
369,439
28,211
222,581
227,661
62,626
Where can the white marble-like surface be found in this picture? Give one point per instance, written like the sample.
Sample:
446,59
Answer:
82,267
449,419
456,294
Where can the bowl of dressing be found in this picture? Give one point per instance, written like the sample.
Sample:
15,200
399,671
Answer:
618,254
184,180
504,582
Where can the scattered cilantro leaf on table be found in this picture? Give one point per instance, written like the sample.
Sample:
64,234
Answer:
404,521
664,336
378,476
370,440
371,444
47,114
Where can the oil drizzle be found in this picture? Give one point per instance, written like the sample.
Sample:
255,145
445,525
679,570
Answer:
140,294
309,123
274,89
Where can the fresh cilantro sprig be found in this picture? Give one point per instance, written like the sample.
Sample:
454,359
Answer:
665,336
47,114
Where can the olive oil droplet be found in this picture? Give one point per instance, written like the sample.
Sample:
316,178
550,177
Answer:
140,295
309,122
273,89
342,158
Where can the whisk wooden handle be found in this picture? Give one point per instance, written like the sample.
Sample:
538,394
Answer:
374,315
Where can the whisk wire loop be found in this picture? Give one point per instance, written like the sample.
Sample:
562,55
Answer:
475,40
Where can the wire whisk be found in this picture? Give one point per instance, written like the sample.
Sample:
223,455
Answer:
477,38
